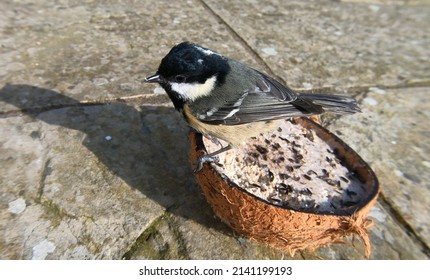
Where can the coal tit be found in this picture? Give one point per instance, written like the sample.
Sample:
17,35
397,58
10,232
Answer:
223,98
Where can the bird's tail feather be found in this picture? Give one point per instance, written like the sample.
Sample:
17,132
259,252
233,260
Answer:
337,104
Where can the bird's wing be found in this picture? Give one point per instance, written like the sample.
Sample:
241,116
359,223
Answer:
267,101
273,88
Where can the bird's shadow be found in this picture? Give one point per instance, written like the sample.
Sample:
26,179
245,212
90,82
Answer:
146,147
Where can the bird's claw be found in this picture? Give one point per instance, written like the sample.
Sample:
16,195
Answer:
214,140
203,159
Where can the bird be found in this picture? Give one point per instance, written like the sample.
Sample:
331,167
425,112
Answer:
225,99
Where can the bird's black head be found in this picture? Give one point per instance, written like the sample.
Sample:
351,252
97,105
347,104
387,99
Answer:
190,71
191,63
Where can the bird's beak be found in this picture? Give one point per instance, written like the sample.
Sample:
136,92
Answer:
153,79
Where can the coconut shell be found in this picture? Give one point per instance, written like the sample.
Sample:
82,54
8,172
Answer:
279,226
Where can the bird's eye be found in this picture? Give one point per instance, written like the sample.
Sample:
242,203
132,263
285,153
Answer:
180,78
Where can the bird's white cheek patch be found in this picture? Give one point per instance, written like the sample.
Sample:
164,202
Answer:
195,90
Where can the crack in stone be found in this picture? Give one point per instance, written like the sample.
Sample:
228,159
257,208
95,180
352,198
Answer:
53,208
161,99
157,99
241,40
145,233
38,110
178,238
45,172
180,241
407,228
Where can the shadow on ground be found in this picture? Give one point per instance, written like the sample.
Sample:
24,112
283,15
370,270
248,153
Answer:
148,148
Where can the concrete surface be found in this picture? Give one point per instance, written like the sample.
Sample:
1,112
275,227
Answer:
94,163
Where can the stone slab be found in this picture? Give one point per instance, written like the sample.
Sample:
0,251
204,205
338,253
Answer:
91,178
334,44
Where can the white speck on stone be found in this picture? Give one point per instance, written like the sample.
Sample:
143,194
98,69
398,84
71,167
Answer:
33,51
377,90
176,20
370,101
331,254
41,250
242,240
15,66
338,33
353,78
108,138
159,90
78,89
393,142
398,173
377,214
389,237
418,150
374,8
100,81
378,232
307,85
270,51
426,163
127,86
17,206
